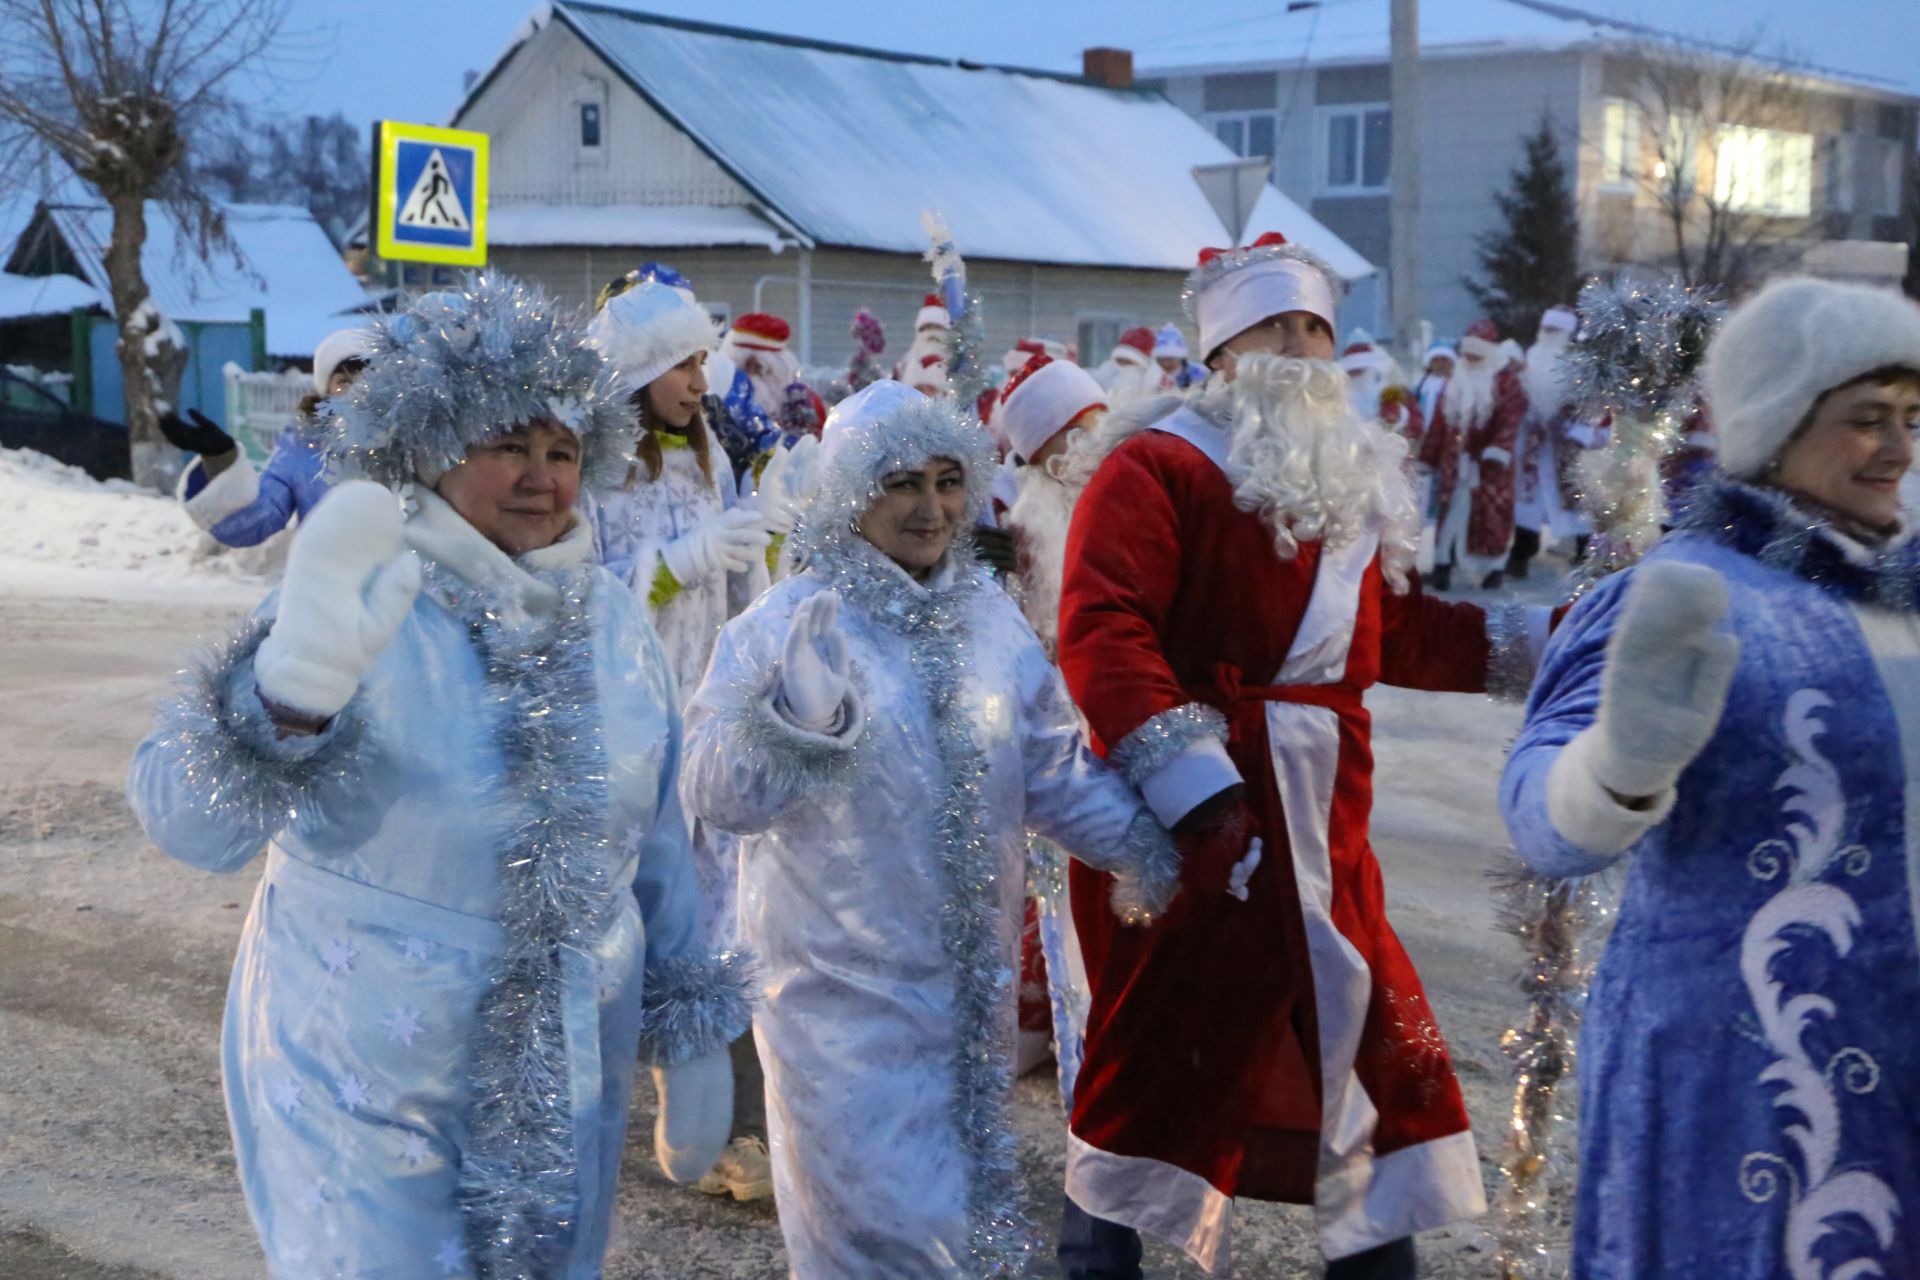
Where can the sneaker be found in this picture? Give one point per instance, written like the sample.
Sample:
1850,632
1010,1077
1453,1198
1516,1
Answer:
743,1171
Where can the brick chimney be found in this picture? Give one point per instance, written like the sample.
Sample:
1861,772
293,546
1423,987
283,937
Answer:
1111,67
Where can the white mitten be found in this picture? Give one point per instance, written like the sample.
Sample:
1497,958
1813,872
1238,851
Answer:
770,494
696,1112
731,542
813,666
802,476
1661,697
350,583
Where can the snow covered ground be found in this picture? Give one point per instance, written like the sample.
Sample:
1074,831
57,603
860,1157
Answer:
113,961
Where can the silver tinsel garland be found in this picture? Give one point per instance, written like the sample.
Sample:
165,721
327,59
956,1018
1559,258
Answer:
1510,660
966,334
694,1005
461,366
223,745
1636,358
519,1189
1153,745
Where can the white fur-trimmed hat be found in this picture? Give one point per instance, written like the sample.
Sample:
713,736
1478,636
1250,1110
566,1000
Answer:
1788,345
647,330
1042,399
1233,290
335,350
1170,342
1563,319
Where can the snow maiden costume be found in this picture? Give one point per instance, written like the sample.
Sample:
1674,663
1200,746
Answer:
478,909
1749,1069
883,865
1270,1038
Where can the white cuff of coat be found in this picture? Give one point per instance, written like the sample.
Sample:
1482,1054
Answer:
1201,771
1497,455
1582,810
232,490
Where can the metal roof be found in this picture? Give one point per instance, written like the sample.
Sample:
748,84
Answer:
849,145
281,262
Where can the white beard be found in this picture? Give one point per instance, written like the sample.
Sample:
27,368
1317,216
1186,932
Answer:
1311,467
1468,398
1545,376
1364,390
1040,516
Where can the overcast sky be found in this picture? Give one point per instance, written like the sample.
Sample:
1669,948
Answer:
403,59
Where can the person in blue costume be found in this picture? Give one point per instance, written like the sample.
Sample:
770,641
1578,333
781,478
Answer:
1737,718
455,739
220,489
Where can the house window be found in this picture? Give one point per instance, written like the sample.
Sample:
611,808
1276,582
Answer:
1619,142
1357,146
589,124
1248,134
1098,335
1836,176
1764,171
1893,181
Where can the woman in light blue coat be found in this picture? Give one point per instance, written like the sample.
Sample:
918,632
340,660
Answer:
455,739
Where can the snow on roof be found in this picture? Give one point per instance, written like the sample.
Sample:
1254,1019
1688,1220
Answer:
23,297
286,266
667,226
850,145
1333,32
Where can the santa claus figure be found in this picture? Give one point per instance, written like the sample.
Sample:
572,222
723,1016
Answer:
1376,390
930,328
1130,373
1050,411
1469,447
1547,507
1237,574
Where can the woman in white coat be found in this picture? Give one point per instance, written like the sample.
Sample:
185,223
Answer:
454,738
882,729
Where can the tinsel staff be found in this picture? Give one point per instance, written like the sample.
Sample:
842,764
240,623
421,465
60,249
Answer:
1634,362
966,334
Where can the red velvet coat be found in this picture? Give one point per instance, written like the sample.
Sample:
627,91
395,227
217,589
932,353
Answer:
1493,444
1204,1076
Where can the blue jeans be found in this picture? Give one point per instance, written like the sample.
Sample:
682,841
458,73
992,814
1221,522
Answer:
1094,1249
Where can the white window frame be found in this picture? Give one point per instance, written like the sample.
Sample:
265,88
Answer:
1893,185
1620,126
1763,171
1323,149
1245,120
592,93
1839,184
1120,321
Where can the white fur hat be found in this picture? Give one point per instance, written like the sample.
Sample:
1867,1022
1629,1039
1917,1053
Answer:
1789,344
1233,290
1563,319
1170,342
334,350
1042,399
647,330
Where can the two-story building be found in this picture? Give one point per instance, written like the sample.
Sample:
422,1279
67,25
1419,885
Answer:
789,175
1817,162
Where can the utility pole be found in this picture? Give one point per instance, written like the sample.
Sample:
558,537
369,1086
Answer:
1403,265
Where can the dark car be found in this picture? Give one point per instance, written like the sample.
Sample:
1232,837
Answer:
32,418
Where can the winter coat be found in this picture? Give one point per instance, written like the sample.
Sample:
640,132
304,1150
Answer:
1749,1072
883,869
519,734
243,508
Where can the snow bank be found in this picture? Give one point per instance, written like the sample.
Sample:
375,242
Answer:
53,515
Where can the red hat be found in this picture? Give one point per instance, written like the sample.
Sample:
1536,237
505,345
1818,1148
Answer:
1140,338
758,331
1357,349
1023,351
932,311
1042,399
1482,340
1234,289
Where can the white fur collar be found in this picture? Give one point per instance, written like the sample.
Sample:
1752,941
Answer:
442,535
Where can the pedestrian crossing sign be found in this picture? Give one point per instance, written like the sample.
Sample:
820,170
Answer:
430,199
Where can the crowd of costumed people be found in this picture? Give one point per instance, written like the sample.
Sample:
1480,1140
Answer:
839,743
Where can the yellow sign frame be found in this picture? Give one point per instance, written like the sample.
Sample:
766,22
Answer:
387,196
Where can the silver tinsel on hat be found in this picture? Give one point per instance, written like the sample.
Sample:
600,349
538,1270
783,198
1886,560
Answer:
461,366
1226,261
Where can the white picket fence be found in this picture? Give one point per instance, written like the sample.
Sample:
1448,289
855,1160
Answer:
260,404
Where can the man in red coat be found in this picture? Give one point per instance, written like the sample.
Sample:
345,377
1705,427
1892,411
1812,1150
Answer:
1470,446
1238,573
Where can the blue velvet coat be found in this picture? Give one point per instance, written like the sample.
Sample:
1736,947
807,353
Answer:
1750,1054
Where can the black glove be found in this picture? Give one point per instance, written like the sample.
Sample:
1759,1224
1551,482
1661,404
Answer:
202,436
995,547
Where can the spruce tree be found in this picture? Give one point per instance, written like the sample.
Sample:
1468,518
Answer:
1531,261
